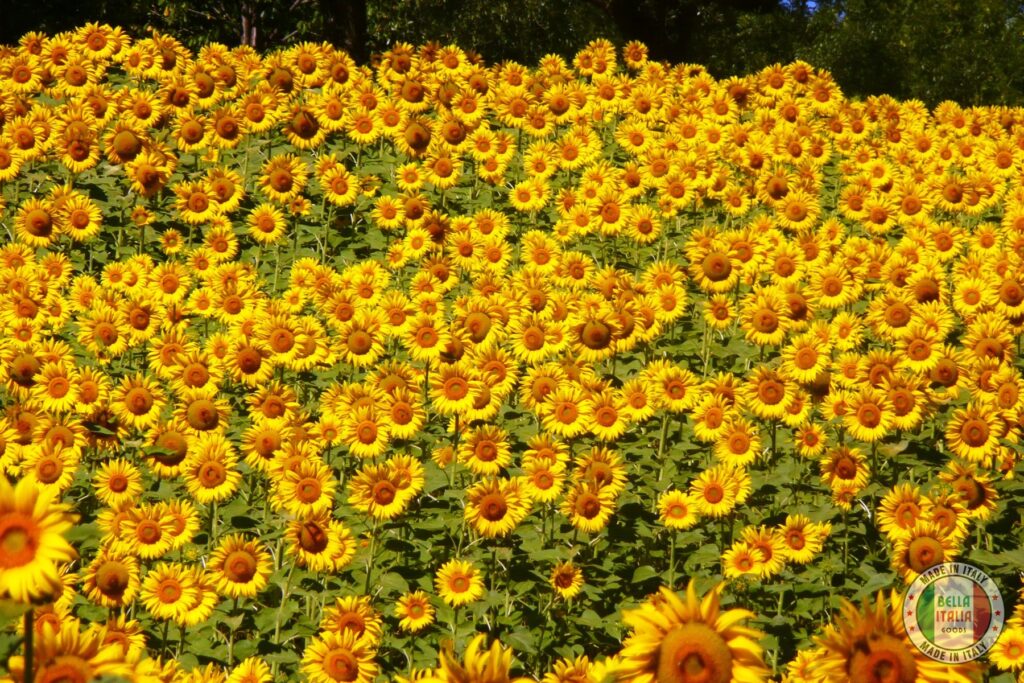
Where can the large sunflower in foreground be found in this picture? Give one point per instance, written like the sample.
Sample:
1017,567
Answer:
32,543
690,641
870,645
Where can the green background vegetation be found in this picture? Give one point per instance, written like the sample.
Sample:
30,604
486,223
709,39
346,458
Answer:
971,51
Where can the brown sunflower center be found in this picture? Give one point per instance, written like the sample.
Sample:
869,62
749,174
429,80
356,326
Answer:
924,552
493,507
19,538
883,659
694,653
112,578
240,566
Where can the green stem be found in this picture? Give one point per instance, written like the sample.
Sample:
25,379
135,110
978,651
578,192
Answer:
30,632
672,559
369,559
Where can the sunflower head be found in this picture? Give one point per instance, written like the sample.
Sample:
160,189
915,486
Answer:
690,641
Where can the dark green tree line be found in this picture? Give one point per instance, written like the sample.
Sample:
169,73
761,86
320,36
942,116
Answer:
968,50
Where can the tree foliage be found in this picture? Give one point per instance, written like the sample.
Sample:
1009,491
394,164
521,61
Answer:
931,50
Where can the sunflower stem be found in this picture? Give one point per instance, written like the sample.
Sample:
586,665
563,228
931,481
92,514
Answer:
30,631
369,559
672,559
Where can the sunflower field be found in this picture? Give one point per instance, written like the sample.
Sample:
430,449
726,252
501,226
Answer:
435,370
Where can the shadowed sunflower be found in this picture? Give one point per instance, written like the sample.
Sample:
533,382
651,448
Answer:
870,645
691,641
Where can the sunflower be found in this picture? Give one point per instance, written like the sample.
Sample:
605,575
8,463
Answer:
714,492
283,177
168,591
900,510
311,542
137,401
354,614
378,491
210,468
973,432
345,656
62,650
676,510
743,559
802,538
147,532
566,579
686,641
36,223
485,450
414,611
495,507
491,665
871,644
459,583
922,547
845,465
251,670
306,490
240,567
589,507
112,579
32,528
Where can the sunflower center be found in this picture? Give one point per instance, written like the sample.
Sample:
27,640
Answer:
716,266
170,591
148,532
359,342
202,414
312,537
694,653
212,474
456,388
384,492
714,493
907,514
19,538
308,490
139,401
974,432
924,552
493,507
118,483
112,578
869,415
366,432
66,669
806,358
588,505
770,391
596,335
240,566
883,660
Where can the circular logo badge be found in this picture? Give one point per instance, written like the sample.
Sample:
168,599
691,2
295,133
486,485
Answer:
953,612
